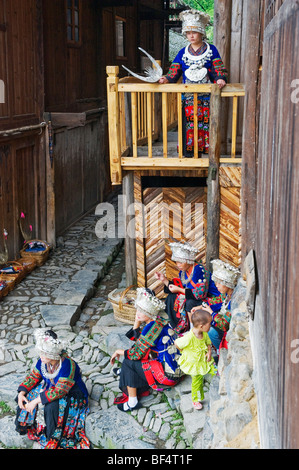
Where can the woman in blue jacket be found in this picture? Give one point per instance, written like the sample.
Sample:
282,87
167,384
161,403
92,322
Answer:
198,62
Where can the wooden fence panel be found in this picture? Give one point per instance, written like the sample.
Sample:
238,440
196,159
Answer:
276,324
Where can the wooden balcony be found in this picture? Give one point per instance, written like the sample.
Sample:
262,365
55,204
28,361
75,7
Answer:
142,114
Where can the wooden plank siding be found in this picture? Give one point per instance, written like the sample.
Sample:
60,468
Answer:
21,63
276,322
44,73
82,176
71,69
22,189
22,154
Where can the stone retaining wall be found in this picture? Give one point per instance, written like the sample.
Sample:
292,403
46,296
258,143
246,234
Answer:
232,418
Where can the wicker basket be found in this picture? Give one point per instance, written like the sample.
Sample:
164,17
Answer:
123,303
13,278
29,264
39,256
4,289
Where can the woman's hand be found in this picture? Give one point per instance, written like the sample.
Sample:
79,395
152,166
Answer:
221,83
206,307
116,355
163,80
31,405
161,277
176,289
22,400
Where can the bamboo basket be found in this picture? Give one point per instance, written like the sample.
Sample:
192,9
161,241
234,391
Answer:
13,278
123,303
29,264
39,256
4,290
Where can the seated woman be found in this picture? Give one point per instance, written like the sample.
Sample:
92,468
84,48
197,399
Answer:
193,284
225,277
152,360
56,383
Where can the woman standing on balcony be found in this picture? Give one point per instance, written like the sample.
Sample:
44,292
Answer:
198,62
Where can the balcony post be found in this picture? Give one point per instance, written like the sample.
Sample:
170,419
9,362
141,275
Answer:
213,196
114,124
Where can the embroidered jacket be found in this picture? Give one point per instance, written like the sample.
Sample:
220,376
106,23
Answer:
199,286
158,337
68,376
214,65
221,311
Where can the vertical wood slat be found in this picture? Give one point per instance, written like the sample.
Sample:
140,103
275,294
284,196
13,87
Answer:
195,102
234,126
213,200
149,124
180,124
50,187
134,124
122,118
164,123
139,116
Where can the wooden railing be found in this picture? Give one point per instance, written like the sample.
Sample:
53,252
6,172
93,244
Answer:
139,113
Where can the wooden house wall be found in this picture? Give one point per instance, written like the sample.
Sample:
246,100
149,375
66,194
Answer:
276,322
72,92
71,70
22,155
82,177
21,63
229,34
146,33
22,189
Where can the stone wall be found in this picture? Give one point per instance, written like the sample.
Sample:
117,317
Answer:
232,420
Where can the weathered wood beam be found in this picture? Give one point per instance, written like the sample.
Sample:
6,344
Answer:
130,238
222,40
50,180
253,14
213,196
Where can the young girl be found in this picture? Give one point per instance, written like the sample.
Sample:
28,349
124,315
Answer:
196,358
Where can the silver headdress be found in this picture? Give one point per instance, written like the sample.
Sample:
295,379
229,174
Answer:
148,303
47,345
225,273
183,252
194,20
153,74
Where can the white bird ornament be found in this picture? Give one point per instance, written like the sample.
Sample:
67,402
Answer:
152,74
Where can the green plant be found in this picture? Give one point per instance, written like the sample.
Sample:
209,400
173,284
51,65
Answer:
206,6
4,408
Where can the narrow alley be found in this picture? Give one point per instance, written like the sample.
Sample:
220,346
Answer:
70,294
